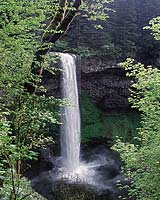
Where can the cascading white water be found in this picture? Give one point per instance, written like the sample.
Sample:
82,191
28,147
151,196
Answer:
70,128
71,167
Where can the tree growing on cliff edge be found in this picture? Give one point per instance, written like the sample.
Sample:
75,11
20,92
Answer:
142,161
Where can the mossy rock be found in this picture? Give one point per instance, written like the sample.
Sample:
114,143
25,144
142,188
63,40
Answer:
96,123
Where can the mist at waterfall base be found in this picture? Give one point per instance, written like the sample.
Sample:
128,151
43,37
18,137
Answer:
95,168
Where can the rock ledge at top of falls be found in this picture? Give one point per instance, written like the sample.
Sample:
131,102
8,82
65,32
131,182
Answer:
95,64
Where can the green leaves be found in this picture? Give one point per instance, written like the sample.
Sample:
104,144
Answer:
25,116
142,161
154,26
96,10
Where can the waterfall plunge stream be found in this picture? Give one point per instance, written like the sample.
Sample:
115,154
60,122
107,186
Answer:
70,129
72,167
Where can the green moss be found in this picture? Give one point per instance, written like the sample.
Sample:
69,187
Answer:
96,123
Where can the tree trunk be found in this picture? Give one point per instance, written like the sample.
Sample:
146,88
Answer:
59,25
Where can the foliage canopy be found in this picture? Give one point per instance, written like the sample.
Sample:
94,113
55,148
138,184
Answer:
142,161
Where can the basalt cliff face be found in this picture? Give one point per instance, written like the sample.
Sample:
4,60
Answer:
101,50
105,83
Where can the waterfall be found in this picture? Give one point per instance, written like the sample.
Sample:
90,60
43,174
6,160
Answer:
70,166
70,128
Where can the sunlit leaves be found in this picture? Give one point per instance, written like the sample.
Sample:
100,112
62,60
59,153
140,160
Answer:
142,161
96,10
154,26
25,116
